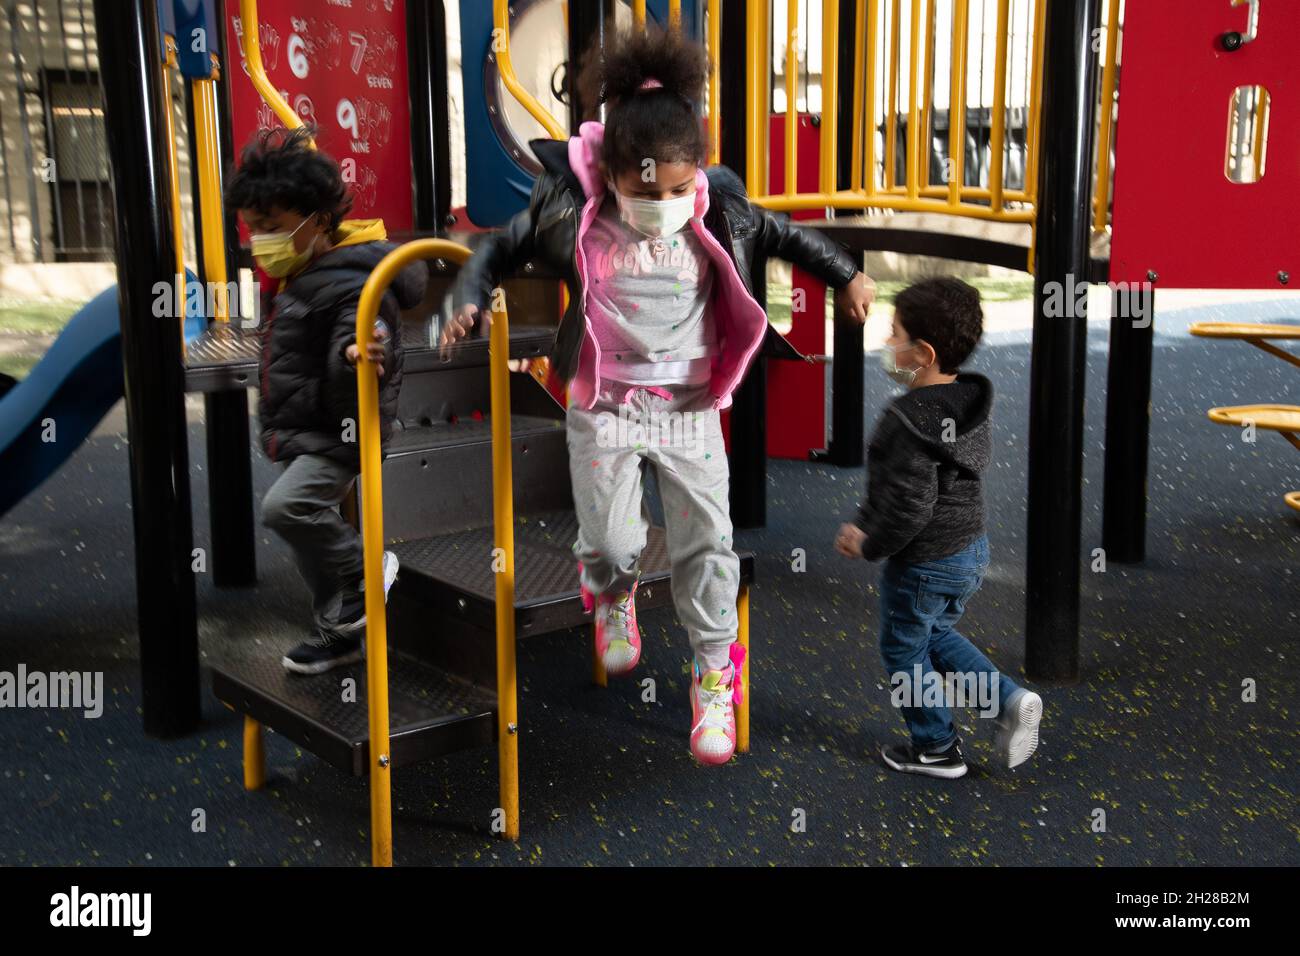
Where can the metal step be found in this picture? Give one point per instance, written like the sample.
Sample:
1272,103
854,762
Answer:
438,478
451,574
415,439
431,712
226,356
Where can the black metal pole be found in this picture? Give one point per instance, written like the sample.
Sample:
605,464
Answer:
1059,361
151,353
426,35
586,23
748,423
1128,424
848,374
230,470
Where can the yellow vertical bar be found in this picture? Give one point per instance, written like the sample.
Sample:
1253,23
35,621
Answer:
755,57
211,212
1101,197
997,136
927,101
675,15
254,755
914,107
859,55
891,128
869,105
791,94
742,635
503,517
173,167
957,103
715,91
638,13
1035,104
830,95
174,183
765,97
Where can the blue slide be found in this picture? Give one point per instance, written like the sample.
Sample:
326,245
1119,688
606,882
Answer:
72,388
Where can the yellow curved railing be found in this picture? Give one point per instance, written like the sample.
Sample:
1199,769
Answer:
880,48
251,26
501,49
372,533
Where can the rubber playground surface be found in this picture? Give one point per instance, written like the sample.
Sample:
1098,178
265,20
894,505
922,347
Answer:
1156,733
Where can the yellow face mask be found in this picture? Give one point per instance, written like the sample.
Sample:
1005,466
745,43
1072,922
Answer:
275,253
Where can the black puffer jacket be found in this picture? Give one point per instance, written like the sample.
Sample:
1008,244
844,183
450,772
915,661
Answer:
925,462
308,389
547,232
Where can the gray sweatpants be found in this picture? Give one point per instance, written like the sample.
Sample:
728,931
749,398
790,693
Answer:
609,448
302,507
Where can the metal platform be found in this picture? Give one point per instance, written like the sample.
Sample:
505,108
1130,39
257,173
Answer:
432,436
452,574
431,712
226,357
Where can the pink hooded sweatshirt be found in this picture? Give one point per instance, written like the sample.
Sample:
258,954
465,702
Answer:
741,323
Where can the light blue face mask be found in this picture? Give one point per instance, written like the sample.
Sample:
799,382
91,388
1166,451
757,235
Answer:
889,362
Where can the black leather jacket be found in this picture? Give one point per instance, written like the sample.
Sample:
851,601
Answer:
546,232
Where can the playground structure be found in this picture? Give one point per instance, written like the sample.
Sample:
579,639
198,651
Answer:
458,691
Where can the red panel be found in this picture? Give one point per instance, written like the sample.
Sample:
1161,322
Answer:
342,66
1175,211
796,391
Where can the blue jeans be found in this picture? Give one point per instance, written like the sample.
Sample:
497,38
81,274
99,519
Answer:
920,605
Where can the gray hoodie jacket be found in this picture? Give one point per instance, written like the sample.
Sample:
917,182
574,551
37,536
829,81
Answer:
925,461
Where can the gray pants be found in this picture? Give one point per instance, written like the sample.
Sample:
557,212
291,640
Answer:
609,447
302,508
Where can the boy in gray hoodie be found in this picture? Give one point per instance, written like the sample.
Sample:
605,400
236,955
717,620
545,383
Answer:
924,512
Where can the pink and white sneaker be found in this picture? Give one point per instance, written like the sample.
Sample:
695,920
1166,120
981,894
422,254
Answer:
713,716
618,639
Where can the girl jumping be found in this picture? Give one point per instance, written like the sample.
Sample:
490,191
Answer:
661,327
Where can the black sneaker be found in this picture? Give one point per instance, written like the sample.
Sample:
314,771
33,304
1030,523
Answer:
323,652
948,764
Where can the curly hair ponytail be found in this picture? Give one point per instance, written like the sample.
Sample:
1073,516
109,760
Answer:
650,84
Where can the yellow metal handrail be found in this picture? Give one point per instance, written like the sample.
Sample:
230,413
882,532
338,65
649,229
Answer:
250,25
506,67
372,533
207,152
1108,77
879,48
174,181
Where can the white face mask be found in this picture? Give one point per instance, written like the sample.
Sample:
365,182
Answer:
656,218
889,362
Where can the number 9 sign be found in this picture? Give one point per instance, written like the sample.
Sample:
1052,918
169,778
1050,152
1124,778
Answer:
346,114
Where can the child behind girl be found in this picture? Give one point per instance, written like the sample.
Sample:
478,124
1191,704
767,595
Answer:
661,327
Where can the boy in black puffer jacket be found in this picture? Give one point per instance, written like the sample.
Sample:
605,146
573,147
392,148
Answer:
293,200
924,511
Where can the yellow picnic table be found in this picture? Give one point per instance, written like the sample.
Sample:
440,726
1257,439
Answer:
1284,419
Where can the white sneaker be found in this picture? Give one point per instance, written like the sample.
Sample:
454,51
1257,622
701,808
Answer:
1017,734
390,575
391,565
